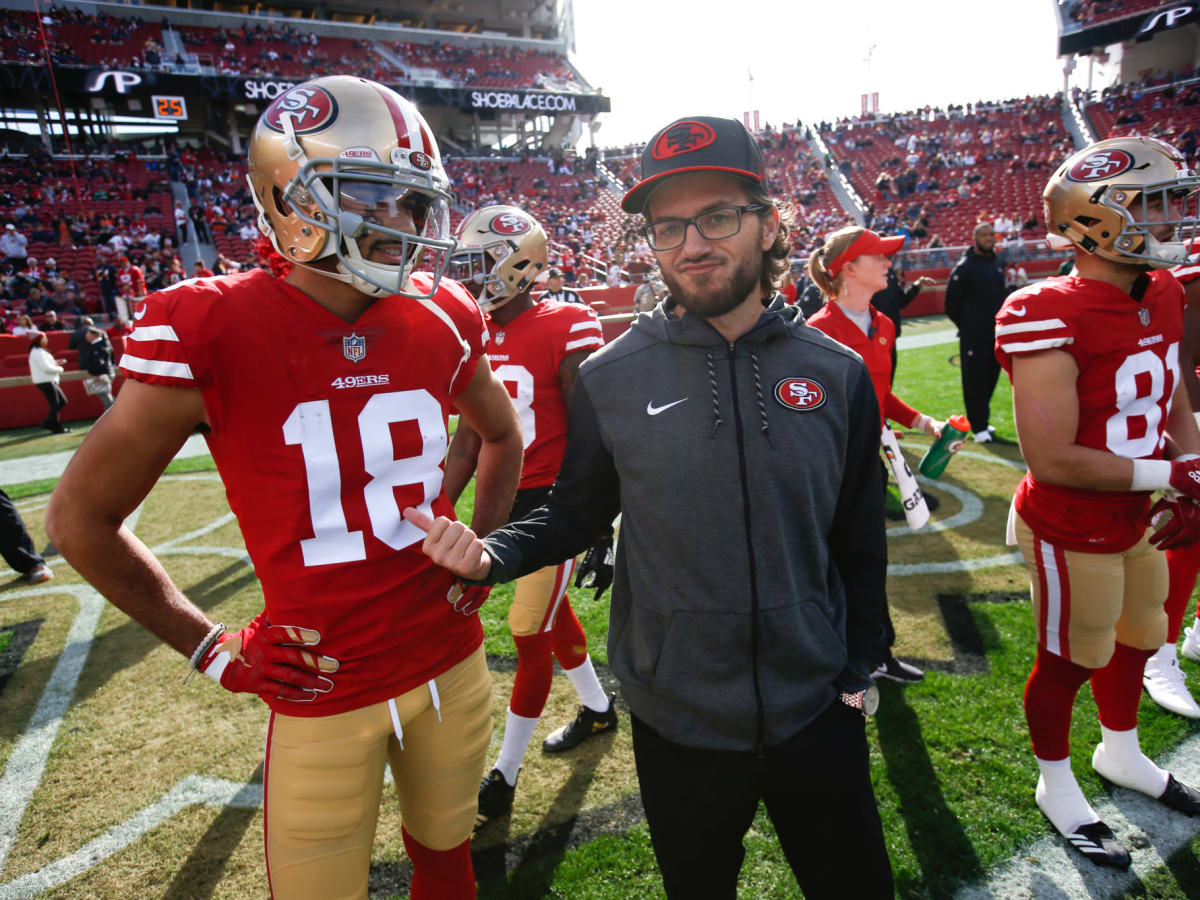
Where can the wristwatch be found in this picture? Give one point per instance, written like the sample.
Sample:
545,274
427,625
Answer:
866,700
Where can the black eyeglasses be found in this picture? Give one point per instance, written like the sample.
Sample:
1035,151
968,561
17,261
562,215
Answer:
714,225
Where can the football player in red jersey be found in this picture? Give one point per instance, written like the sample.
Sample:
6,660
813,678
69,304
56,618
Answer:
324,397
535,349
1163,678
1094,363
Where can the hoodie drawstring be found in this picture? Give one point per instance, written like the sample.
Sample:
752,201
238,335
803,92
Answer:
395,713
712,383
758,396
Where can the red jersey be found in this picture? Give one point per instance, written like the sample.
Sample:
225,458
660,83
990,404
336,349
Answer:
876,351
526,354
131,282
323,432
1128,358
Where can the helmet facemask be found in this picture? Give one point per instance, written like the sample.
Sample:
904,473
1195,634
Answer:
1149,208
479,268
353,200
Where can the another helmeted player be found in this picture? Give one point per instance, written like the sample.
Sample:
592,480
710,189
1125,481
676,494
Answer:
535,349
1094,362
324,397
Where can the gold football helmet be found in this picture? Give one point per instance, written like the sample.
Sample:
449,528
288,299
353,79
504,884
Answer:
501,253
343,168
1119,198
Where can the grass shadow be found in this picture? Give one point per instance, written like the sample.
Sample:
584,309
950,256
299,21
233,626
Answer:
943,850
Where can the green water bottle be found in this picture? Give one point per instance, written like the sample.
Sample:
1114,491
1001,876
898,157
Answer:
934,462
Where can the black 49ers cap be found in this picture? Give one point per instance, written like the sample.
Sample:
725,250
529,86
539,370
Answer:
696,144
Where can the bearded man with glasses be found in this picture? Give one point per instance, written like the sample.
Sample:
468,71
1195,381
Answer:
740,447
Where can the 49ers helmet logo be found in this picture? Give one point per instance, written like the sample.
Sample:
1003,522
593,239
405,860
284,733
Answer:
311,108
800,394
683,137
508,224
1101,165
420,160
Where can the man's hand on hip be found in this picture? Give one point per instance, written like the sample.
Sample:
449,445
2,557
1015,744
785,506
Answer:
270,660
452,545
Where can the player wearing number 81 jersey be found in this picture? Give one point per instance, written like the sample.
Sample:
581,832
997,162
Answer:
535,349
324,397
1094,363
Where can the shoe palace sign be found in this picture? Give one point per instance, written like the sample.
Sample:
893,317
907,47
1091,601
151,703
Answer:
142,84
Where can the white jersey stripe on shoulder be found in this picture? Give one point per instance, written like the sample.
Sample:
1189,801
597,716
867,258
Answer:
584,326
1036,325
155,367
591,341
1043,344
153,333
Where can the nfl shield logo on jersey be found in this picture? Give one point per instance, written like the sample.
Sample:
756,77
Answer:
1144,316
354,348
499,338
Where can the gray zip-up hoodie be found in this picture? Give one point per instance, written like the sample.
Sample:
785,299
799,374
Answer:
749,577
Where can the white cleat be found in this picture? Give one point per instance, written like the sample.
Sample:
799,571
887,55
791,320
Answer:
1164,682
1191,643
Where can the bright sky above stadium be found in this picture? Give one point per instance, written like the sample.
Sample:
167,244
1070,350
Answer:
662,60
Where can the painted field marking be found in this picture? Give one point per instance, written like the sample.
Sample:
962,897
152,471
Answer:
1049,868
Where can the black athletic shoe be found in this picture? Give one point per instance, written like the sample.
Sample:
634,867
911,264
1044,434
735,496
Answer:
895,670
1097,842
495,798
1180,797
586,724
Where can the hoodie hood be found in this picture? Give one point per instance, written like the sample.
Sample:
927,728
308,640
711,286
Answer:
670,324
665,323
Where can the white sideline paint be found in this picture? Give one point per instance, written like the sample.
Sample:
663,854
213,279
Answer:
957,565
52,465
188,792
1049,868
24,770
930,339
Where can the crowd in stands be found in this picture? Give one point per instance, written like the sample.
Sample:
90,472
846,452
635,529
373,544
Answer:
1165,106
490,65
78,38
932,175
1095,12
281,51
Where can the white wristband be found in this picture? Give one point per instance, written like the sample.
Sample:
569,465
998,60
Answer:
920,423
1151,475
1196,416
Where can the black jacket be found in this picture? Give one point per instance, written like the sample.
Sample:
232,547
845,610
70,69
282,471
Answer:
894,298
96,358
749,578
975,294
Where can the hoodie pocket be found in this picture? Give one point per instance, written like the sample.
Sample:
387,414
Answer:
705,670
800,652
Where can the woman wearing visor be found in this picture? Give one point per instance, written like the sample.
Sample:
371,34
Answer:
849,268
1103,422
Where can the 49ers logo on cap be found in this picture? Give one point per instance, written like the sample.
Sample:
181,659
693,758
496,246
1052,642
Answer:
800,394
311,109
683,137
1100,165
507,223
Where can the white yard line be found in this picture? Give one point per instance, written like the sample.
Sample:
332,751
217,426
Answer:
929,339
52,465
190,791
1049,868
24,770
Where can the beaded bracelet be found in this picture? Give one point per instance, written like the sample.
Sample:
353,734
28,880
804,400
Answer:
203,648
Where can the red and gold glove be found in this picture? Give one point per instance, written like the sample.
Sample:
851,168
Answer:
271,661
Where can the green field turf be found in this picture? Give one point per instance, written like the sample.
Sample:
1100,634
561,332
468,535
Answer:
950,757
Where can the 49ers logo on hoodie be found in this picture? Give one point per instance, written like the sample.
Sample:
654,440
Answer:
800,394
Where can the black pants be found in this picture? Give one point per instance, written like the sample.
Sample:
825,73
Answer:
15,544
57,400
980,372
817,788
